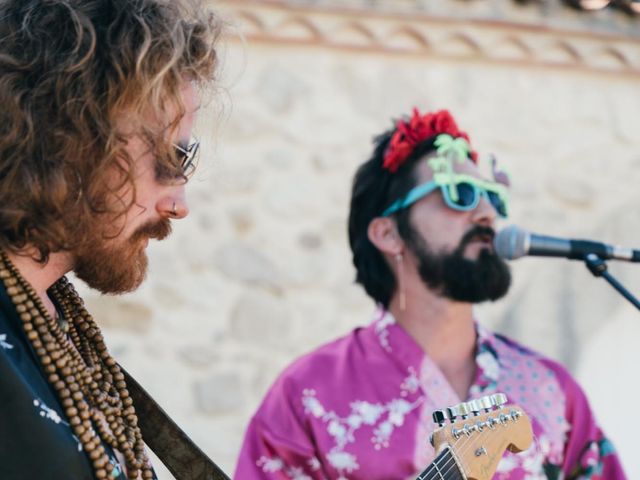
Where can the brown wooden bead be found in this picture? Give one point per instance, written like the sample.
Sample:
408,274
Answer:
87,379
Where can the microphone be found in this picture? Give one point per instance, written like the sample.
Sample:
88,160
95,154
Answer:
512,243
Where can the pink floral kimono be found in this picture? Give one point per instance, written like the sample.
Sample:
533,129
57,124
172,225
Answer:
360,408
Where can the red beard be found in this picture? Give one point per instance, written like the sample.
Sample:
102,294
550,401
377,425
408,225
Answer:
113,267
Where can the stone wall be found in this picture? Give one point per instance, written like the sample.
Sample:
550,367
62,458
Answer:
260,271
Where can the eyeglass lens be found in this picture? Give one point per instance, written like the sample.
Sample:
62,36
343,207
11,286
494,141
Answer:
187,157
467,196
497,203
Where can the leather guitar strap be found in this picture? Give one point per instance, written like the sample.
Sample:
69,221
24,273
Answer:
182,457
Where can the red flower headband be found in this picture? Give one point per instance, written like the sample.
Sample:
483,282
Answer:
418,129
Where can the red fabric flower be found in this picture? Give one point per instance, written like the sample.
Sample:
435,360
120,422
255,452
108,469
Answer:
417,129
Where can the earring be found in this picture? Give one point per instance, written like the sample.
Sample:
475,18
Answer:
400,274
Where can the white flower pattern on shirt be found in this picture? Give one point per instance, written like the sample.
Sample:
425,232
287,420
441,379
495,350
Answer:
55,417
3,342
380,326
273,465
385,418
49,413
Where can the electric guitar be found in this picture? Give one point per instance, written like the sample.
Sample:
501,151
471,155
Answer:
472,437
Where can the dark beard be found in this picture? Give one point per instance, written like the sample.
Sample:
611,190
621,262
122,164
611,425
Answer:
118,268
459,278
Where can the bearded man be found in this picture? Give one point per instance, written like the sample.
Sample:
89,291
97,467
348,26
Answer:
421,227
98,103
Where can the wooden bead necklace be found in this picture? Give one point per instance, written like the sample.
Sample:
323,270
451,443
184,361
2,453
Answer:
87,380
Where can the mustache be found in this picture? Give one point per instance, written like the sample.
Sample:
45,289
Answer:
479,232
159,230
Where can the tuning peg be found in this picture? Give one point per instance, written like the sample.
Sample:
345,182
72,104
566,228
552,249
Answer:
453,412
474,406
439,417
485,403
463,410
498,399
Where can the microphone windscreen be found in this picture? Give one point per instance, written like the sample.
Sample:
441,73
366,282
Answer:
511,242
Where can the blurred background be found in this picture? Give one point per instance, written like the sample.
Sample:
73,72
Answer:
260,272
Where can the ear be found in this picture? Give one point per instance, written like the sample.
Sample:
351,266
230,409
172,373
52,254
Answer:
382,232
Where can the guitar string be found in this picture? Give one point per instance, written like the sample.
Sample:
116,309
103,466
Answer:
463,448
467,442
451,463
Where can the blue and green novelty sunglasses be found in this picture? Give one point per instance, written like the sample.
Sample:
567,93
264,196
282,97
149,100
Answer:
460,192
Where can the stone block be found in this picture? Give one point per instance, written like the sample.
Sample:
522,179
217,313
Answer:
220,393
261,318
245,264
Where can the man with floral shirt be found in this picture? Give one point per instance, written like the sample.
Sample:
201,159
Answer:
421,227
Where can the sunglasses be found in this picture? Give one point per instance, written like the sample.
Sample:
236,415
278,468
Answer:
188,157
460,192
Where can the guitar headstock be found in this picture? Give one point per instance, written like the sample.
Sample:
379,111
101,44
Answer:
479,431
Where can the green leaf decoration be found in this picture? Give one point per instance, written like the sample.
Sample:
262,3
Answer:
456,148
439,164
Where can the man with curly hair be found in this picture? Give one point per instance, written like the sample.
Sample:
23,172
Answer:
421,227
98,99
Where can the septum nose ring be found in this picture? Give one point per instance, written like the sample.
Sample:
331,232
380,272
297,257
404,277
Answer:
173,211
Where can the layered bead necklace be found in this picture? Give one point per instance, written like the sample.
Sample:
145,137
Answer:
87,380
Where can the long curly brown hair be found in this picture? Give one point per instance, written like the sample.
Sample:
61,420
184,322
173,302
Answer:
69,71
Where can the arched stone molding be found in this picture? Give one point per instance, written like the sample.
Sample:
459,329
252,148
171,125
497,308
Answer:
422,34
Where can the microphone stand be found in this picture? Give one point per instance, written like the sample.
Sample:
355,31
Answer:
598,268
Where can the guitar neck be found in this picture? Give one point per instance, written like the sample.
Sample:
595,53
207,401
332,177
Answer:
444,467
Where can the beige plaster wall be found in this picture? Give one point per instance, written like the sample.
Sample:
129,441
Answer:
260,272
